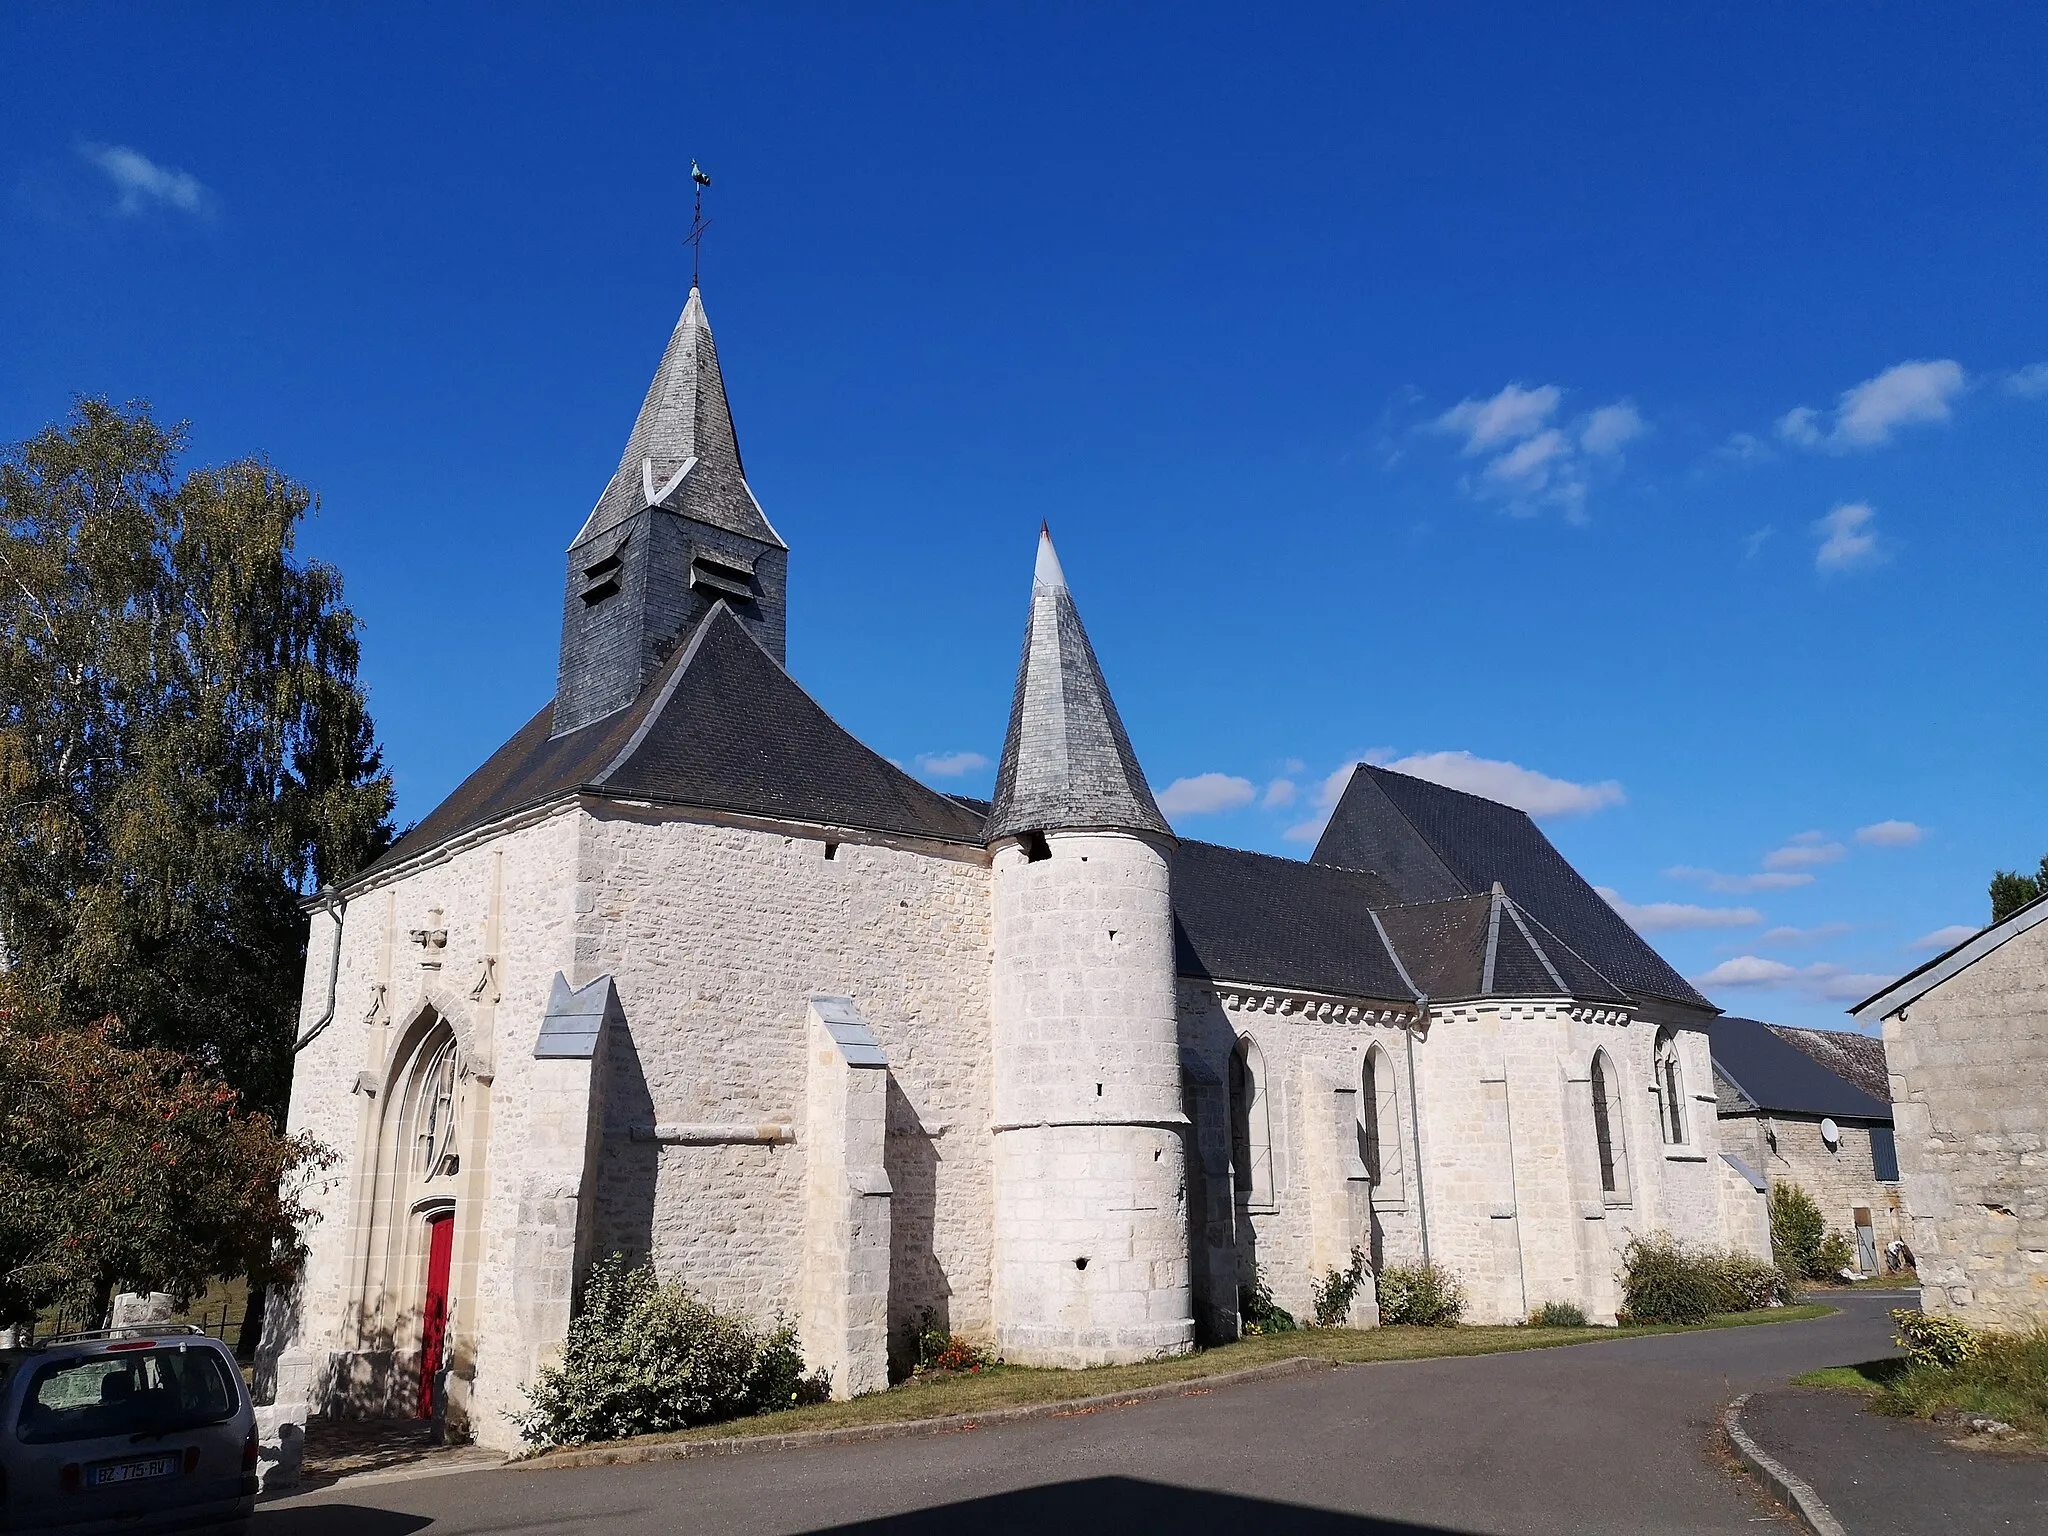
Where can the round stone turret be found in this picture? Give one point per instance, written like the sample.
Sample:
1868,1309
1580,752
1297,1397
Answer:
1091,1240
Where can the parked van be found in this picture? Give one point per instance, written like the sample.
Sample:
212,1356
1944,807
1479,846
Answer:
128,1430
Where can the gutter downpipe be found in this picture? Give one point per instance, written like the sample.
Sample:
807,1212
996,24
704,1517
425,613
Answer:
1414,1124
335,905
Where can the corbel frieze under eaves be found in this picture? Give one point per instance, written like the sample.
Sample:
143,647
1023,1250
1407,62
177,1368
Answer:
1287,1002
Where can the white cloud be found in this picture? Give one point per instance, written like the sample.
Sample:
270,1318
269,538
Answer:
2029,383
1753,543
1813,935
142,184
1279,793
1805,851
1327,794
1821,980
1739,885
1534,463
1847,539
1867,415
1528,465
1677,916
1205,794
1511,415
1942,938
1746,448
1510,783
1610,426
950,765
1890,834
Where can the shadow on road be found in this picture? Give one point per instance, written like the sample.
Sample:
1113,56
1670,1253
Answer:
1123,1506
336,1520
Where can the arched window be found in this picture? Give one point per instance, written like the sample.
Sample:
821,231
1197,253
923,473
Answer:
1251,1129
1671,1089
1608,1133
426,1134
1379,1125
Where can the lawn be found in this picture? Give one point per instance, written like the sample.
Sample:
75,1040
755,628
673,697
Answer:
1009,1386
2008,1380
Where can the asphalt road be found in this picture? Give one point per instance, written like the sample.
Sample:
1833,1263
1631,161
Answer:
1610,1437
1898,1477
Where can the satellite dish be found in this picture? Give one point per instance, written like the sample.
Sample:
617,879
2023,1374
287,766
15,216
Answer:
1831,1133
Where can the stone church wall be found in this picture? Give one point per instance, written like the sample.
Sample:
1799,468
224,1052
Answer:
1969,1065
719,934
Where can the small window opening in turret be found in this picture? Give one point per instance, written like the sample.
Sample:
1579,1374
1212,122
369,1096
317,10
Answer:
831,850
1081,1263
1098,1090
1112,935
1036,849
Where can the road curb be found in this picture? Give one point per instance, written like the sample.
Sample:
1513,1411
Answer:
955,1423
1780,1479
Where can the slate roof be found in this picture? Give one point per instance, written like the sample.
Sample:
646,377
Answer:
1066,760
720,727
1240,916
1859,1058
684,420
1252,917
1778,1077
1430,843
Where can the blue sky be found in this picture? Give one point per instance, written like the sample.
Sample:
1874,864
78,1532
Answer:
1642,418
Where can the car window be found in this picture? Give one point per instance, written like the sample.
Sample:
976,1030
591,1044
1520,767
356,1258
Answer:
145,1392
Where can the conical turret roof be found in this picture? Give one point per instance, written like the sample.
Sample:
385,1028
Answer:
683,455
1066,761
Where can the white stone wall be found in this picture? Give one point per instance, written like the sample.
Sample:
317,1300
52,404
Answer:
1091,1213
386,981
718,936
1969,1070
1840,1178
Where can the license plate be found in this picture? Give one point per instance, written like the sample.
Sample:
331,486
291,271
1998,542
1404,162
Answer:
134,1471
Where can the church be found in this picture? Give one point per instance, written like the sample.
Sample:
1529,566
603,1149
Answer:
686,972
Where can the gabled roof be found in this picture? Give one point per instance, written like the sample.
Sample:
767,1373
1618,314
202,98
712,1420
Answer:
1915,983
1858,1058
1777,1077
1066,760
1430,843
683,455
721,727
1241,916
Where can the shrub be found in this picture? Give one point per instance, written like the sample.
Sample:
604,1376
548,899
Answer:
1258,1312
2002,1375
1936,1341
1837,1253
1421,1296
1796,1231
1558,1314
1663,1282
645,1356
1745,1282
1335,1292
941,1350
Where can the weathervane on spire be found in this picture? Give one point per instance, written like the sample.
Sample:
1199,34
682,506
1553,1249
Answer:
698,223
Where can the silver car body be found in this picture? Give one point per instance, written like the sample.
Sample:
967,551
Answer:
139,1430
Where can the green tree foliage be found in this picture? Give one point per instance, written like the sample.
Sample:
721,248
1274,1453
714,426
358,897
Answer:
185,752
125,1167
1797,1229
2011,890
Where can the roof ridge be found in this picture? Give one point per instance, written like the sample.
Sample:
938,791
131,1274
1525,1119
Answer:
1514,911
1550,934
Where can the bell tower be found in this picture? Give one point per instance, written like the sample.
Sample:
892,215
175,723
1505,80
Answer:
676,529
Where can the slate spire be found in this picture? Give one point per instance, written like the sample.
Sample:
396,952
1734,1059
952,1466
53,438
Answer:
683,455
676,530
1067,763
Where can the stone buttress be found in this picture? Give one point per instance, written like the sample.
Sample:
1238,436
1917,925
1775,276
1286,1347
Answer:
1091,1240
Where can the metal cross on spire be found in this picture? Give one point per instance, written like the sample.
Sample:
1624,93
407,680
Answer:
698,223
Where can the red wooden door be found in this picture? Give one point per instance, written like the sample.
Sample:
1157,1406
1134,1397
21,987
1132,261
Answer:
434,1318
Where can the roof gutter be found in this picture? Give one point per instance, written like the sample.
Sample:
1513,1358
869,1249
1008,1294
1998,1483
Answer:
336,906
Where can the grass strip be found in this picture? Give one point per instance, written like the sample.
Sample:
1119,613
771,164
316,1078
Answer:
1014,1386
